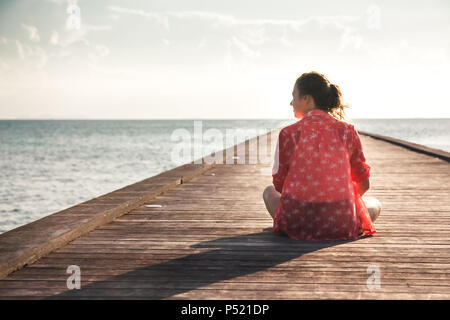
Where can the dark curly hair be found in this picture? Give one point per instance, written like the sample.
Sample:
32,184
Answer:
327,96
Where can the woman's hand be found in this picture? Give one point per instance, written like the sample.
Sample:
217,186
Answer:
363,187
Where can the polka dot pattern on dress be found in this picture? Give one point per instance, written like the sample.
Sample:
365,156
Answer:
319,163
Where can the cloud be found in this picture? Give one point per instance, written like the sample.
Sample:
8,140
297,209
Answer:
225,20
22,50
96,53
350,37
32,32
77,35
42,57
217,18
101,50
254,31
159,18
230,21
113,16
35,55
245,49
59,2
246,43
285,41
202,43
54,38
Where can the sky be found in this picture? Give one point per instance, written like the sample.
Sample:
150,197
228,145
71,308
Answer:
215,59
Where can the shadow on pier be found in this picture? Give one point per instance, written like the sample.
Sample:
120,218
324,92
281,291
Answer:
228,258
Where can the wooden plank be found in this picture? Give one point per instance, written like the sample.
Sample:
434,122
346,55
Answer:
334,274
417,252
258,256
232,292
154,286
399,242
320,276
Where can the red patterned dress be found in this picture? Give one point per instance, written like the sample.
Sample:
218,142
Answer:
318,162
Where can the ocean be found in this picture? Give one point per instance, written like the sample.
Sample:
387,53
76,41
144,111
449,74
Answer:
50,165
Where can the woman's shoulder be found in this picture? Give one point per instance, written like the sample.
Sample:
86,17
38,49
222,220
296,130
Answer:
344,126
291,128
289,135
295,127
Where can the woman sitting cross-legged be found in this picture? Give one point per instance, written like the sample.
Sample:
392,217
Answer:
320,172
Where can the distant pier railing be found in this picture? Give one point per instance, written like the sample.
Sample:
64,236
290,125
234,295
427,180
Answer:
441,154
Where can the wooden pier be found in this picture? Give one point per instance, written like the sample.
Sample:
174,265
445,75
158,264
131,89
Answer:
211,238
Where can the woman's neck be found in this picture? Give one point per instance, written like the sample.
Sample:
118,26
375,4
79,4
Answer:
309,108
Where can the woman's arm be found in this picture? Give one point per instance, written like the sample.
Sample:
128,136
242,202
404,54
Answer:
281,165
360,170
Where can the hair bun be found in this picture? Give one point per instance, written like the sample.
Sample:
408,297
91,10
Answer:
334,96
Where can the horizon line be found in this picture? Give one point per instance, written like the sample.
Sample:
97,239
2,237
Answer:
169,119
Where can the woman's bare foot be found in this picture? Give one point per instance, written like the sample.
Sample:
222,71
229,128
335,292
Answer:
374,208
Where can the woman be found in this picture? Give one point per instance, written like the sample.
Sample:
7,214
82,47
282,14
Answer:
320,171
